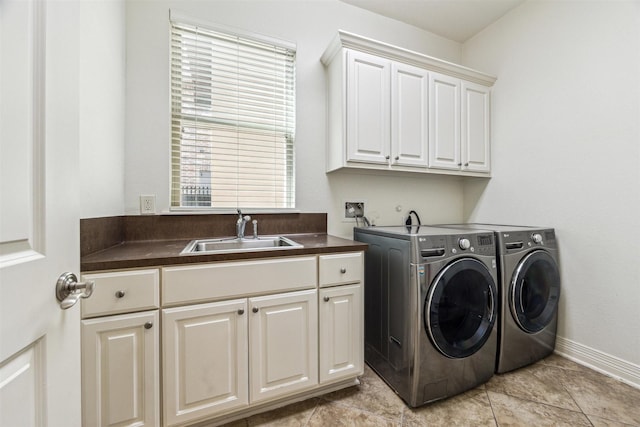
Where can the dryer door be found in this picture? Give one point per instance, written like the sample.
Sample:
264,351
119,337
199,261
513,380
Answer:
534,291
461,308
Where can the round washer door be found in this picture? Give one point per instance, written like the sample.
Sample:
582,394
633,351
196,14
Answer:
534,291
460,308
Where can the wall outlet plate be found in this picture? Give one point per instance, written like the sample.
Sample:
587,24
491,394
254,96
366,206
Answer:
148,204
354,209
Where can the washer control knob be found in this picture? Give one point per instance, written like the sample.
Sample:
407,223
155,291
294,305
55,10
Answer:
464,244
536,237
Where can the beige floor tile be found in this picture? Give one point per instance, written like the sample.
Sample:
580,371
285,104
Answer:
539,383
601,422
468,409
552,392
240,423
558,361
604,397
513,411
337,415
373,395
294,415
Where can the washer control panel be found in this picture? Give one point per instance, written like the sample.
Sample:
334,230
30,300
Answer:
474,243
464,243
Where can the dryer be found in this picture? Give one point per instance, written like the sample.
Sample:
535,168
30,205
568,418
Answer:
430,309
529,276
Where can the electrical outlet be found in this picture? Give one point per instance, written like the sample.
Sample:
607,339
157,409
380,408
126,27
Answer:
148,204
353,209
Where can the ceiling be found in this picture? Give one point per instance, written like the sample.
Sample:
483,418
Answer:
456,20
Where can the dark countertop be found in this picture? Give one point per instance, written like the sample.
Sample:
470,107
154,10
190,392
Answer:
155,253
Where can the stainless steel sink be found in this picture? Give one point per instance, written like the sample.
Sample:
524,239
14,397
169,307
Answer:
211,246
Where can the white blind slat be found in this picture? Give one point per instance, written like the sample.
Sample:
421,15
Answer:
233,120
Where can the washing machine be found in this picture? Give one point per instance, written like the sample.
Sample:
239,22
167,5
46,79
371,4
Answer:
430,309
529,277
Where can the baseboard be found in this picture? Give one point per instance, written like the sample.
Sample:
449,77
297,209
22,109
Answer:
604,363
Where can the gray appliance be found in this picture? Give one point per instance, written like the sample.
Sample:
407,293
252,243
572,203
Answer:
430,309
529,278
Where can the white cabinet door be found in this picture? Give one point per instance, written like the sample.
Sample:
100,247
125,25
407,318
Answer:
476,151
368,108
284,344
444,123
341,332
205,360
409,115
120,370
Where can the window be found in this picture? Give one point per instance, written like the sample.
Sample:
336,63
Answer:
233,120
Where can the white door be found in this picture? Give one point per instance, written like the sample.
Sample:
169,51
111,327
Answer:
444,123
39,213
476,135
409,117
341,313
205,360
368,108
283,338
120,370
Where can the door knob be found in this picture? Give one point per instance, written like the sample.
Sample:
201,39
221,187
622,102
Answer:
69,291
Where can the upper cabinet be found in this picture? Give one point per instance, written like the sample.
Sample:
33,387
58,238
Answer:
476,120
409,116
394,109
369,109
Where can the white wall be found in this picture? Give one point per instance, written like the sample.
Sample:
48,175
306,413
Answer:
566,153
311,25
566,137
101,82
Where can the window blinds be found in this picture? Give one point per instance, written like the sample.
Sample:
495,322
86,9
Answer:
233,120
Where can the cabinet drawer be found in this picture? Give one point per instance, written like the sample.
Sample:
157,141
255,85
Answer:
210,282
122,291
340,268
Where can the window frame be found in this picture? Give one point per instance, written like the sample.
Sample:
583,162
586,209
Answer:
180,18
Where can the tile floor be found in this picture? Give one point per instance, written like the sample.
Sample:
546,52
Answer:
552,392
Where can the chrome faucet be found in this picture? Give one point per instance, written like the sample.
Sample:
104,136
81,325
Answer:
241,223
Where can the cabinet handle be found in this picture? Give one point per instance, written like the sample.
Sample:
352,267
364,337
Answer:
387,157
148,325
343,270
466,164
397,158
255,309
326,299
459,164
241,312
119,294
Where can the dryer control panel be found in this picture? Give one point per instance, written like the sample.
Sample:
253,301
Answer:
514,241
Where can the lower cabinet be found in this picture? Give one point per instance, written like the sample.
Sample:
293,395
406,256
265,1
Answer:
234,338
283,336
205,358
341,332
120,370
207,366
